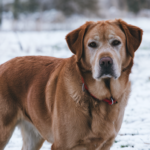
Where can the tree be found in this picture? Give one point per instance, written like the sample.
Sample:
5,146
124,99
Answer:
33,5
136,5
16,9
1,13
69,7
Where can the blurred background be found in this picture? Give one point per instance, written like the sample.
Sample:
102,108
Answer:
39,27
40,15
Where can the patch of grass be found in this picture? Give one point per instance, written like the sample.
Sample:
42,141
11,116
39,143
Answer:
123,146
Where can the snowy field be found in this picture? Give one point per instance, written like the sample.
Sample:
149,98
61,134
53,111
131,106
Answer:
135,130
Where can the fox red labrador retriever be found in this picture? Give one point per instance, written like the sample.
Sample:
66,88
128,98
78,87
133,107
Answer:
76,103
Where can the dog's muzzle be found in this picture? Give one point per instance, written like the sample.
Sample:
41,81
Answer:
106,65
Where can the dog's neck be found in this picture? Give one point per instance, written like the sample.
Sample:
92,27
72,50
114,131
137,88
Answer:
102,89
107,88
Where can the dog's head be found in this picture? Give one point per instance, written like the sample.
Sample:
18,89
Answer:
105,47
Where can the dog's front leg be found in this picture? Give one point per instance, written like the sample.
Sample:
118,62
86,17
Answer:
107,145
79,147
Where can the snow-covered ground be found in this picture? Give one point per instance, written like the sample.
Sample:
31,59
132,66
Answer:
135,131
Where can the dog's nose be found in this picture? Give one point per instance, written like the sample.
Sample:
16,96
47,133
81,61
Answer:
105,62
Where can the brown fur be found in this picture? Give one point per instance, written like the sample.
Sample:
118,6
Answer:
45,93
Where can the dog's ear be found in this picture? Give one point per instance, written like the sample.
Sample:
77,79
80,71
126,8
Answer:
75,40
133,36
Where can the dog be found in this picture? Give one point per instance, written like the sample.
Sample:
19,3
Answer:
76,103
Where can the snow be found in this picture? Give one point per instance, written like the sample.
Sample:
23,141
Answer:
135,130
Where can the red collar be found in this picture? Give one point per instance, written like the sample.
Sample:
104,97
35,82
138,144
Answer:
110,101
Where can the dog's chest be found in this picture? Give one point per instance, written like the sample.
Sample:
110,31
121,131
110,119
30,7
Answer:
103,128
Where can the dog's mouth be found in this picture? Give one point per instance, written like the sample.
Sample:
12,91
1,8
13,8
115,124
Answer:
107,73
108,76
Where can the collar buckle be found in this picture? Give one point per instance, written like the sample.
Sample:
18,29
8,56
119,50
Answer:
112,101
83,87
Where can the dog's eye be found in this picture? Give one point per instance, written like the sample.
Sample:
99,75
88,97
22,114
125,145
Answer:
115,43
93,44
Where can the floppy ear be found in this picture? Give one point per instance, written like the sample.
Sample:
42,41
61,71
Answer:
133,36
75,40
